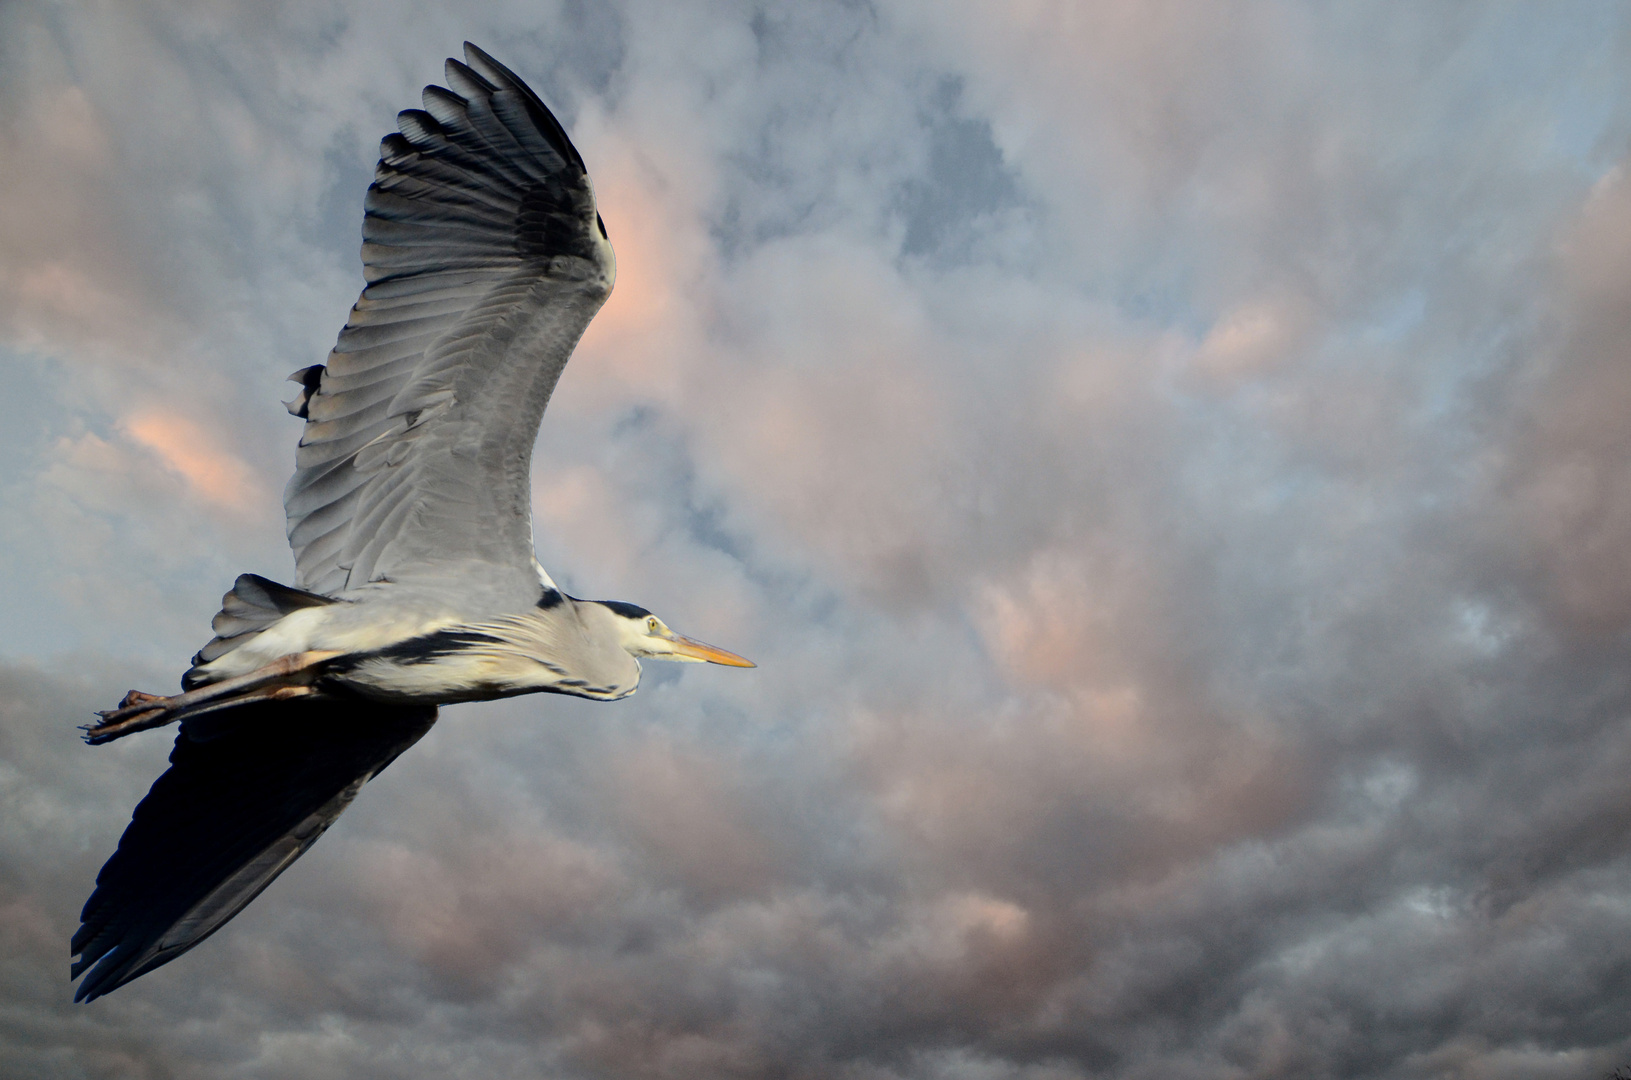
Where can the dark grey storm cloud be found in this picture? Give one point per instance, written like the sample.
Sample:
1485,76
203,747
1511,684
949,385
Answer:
1170,462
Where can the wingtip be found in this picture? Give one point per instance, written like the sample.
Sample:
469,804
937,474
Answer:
478,58
89,990
97,971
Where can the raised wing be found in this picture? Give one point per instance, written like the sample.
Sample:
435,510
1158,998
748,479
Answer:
247,792
485,259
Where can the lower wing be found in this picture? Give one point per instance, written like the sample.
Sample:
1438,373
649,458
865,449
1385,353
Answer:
247,792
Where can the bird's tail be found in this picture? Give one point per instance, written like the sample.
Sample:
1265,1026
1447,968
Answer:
250,606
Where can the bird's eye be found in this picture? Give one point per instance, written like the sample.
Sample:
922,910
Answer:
652,624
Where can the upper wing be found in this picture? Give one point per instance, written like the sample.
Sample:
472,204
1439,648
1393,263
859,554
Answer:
247,792
485,260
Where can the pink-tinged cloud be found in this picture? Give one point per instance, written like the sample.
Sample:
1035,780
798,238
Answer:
1254,339
642,339
1568,474
213,473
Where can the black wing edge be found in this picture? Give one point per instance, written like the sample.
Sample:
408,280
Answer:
497,76
247,792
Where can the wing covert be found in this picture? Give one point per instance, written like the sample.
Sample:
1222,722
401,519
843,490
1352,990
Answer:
485,259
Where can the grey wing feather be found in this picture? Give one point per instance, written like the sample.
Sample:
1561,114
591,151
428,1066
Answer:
485,260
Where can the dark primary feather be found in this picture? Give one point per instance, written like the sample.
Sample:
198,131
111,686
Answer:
247,792
485,260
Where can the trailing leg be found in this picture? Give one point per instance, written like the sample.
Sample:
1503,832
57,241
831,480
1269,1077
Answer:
289,676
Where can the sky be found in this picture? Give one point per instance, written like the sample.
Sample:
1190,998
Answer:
1170,462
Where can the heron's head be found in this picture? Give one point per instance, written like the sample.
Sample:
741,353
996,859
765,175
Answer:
645,635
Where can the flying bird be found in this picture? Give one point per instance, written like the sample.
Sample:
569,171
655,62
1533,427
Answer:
409,513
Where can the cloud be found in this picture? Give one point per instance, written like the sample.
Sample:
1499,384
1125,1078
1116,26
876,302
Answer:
212,473
1168,464
1252,338
1569,486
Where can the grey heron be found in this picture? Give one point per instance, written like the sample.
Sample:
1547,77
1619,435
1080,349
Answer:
409,514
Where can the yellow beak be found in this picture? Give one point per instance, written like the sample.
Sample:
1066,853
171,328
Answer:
697,650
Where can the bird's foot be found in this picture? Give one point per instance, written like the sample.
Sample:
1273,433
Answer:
139,711
286,677
136,712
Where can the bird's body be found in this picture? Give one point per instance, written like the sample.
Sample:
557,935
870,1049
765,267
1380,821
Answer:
396,643
409,515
